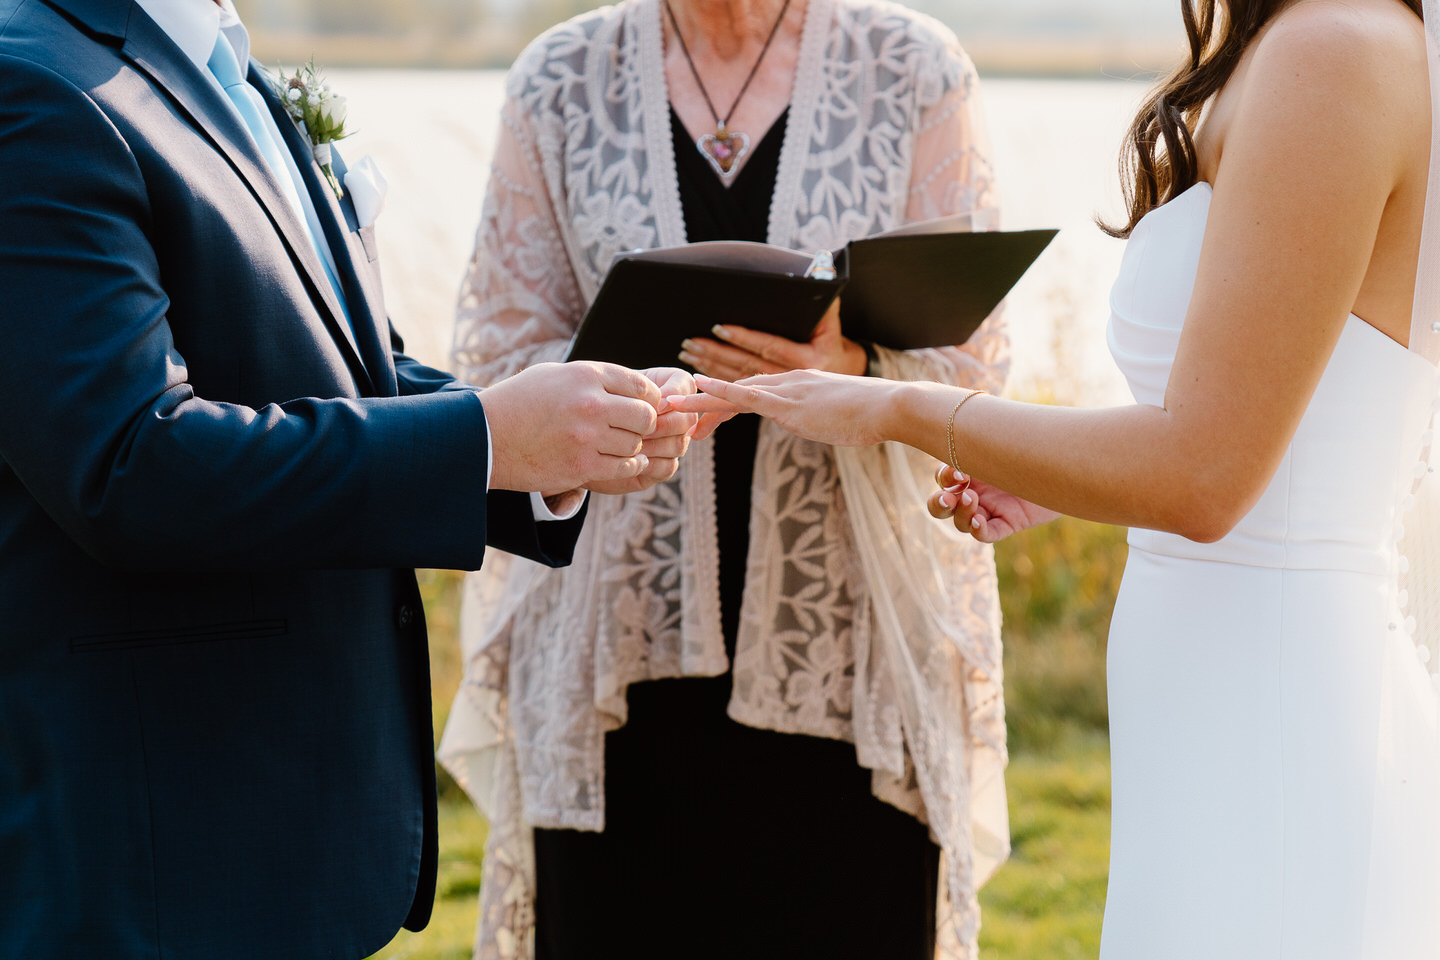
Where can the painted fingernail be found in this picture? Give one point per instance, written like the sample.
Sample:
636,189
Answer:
956,489
947,500
720,331
959,477
974,523
690,345
967,498
690,358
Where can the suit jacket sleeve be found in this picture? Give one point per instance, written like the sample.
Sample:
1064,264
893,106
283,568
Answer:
99,421
511,526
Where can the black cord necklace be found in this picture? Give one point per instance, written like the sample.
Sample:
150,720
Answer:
725,147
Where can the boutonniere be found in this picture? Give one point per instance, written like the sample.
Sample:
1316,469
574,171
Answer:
318,111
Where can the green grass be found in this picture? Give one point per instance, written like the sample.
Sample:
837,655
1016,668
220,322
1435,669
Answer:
1046,902
1057,587
451,933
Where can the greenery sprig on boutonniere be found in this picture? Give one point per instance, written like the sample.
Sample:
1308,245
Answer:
318,111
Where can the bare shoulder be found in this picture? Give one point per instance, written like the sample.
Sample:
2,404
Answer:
1336,80
1363,49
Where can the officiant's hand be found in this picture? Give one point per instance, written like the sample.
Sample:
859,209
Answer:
748,353
987,513
561,426
668,442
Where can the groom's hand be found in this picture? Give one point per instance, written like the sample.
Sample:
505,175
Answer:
668,442
560,426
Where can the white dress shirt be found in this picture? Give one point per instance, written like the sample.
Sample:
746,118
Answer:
194,26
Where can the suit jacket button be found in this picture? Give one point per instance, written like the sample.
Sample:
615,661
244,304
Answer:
405,616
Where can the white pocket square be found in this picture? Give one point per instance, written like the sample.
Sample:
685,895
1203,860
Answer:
366,186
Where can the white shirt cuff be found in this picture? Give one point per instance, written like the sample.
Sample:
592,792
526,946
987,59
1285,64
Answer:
542,510
489,448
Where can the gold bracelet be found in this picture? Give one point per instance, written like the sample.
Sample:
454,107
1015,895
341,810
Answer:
950,431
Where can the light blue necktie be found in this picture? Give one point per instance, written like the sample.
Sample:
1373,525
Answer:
251,107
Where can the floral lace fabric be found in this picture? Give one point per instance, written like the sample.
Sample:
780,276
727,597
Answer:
863,619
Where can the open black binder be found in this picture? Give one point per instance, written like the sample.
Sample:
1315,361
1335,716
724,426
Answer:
905,290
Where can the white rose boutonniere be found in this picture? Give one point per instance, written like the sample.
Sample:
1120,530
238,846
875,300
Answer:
317,110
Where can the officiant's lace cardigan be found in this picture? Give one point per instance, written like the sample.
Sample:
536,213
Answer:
863,620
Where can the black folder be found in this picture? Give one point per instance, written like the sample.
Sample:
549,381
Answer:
905,290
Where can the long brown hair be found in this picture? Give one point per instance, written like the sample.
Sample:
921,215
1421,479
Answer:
1158,160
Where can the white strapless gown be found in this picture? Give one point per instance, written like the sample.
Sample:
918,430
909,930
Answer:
1273,733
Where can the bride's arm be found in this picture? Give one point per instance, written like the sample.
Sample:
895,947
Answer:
1326,130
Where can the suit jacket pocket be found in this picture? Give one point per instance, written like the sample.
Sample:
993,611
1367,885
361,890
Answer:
170,636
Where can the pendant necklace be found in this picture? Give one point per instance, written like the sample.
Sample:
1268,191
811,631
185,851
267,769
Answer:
725,147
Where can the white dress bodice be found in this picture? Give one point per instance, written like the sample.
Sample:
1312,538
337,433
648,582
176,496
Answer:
1275,758
1336,499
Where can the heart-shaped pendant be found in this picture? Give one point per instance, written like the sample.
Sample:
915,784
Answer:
724,152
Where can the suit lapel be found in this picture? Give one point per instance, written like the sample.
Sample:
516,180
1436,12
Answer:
150,50
104,17
337,219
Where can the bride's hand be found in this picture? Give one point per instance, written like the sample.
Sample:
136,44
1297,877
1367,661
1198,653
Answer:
748,353
987,513
829,408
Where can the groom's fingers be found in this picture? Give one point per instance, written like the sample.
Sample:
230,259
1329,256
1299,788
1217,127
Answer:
619,468
656,470
673,424
622,413
660,470
637,394
618,443
667,448
672,381
624,382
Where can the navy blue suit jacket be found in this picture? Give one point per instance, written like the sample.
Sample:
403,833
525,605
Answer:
215,730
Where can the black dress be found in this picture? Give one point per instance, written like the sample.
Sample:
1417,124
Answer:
721,840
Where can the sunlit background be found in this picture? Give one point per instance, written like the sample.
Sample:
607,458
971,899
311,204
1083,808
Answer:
1061,80
1056,37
